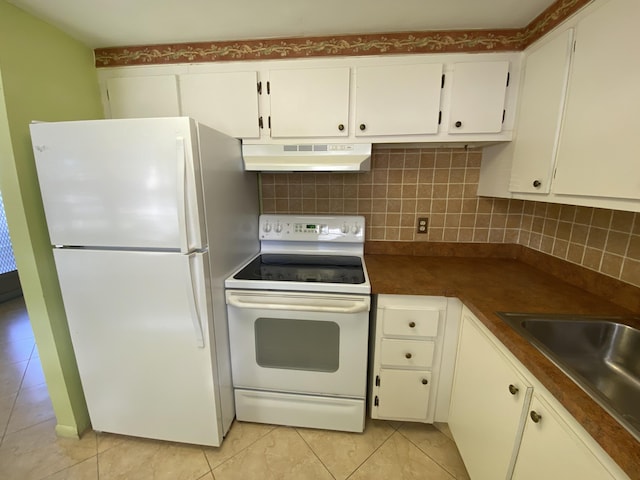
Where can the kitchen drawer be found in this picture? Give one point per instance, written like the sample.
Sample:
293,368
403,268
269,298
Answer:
410,322
406,353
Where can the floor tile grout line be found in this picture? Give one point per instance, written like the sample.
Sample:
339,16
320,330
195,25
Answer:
73,465
372,453
314,453
275,427
13,405
443,467
95,437
28,426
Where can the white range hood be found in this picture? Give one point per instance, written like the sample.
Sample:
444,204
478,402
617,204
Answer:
332,157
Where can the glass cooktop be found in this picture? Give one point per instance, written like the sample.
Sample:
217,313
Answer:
304,268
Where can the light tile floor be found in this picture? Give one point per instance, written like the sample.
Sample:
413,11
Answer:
29,448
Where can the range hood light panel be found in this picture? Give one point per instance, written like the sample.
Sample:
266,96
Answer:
307,158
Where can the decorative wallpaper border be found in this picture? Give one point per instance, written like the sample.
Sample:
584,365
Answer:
346,45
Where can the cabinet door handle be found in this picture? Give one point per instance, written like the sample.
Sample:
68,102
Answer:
513,390
407,355
536,417
412,324
425,381
537,183
341,127
363,127
458,124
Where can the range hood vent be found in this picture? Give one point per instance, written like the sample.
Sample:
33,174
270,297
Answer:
333,157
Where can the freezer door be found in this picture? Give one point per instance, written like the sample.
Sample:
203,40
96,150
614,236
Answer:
141,330
130,183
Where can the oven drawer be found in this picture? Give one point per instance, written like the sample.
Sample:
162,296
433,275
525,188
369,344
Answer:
410,322
406,353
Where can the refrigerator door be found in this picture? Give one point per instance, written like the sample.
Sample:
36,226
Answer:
141,329
129,183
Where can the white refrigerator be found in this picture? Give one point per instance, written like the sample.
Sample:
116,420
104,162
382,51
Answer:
147,217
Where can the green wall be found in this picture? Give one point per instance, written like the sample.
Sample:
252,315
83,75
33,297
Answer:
44,75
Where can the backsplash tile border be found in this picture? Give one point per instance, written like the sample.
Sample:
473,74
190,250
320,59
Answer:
343,45
441,184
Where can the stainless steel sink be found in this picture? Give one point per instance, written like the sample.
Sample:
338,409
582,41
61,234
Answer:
600,354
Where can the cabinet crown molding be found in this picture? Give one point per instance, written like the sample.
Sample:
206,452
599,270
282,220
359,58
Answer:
452,41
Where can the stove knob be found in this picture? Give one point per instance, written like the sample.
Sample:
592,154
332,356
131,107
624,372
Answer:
267,227
345,228
278,228
355,229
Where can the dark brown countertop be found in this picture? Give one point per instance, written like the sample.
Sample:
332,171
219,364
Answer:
487,285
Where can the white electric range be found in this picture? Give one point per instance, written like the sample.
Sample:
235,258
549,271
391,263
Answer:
299,324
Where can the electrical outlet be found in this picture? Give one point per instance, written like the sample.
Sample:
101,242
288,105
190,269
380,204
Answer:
423,224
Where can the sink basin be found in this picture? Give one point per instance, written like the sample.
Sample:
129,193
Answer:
600,354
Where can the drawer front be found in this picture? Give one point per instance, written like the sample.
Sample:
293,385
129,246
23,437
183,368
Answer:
406,353
410,322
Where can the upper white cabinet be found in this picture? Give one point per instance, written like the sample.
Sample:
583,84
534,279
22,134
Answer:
598,149
386,99
143,96
540,113
576,139
478,97
398,99
309,102
225,101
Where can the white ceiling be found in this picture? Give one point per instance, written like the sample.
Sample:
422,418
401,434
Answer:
106,23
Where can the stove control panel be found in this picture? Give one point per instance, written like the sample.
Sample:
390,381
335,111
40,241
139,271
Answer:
312,228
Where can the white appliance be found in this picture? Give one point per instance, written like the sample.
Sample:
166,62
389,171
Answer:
299,324
332,157
147,217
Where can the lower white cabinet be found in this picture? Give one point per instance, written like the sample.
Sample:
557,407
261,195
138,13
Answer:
550,448
488,405
507,425
408,363
403,394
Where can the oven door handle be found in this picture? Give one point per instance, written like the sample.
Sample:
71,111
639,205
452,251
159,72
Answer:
301,303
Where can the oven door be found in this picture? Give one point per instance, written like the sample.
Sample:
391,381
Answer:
297,342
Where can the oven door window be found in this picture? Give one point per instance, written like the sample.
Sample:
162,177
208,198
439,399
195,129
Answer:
297,344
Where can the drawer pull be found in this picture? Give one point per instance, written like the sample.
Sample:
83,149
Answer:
407,355
412,324
425,381
513,389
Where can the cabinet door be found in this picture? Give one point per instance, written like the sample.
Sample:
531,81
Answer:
541,106
398,99
551,449
403,394
310,102
477,97
140,97
488,405
598,149
227,101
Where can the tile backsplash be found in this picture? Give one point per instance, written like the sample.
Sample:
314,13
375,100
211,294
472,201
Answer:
406,184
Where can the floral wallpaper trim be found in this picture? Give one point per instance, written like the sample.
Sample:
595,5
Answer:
347,45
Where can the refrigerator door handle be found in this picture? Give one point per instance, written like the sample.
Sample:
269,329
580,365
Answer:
193,302
182,192
188,205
